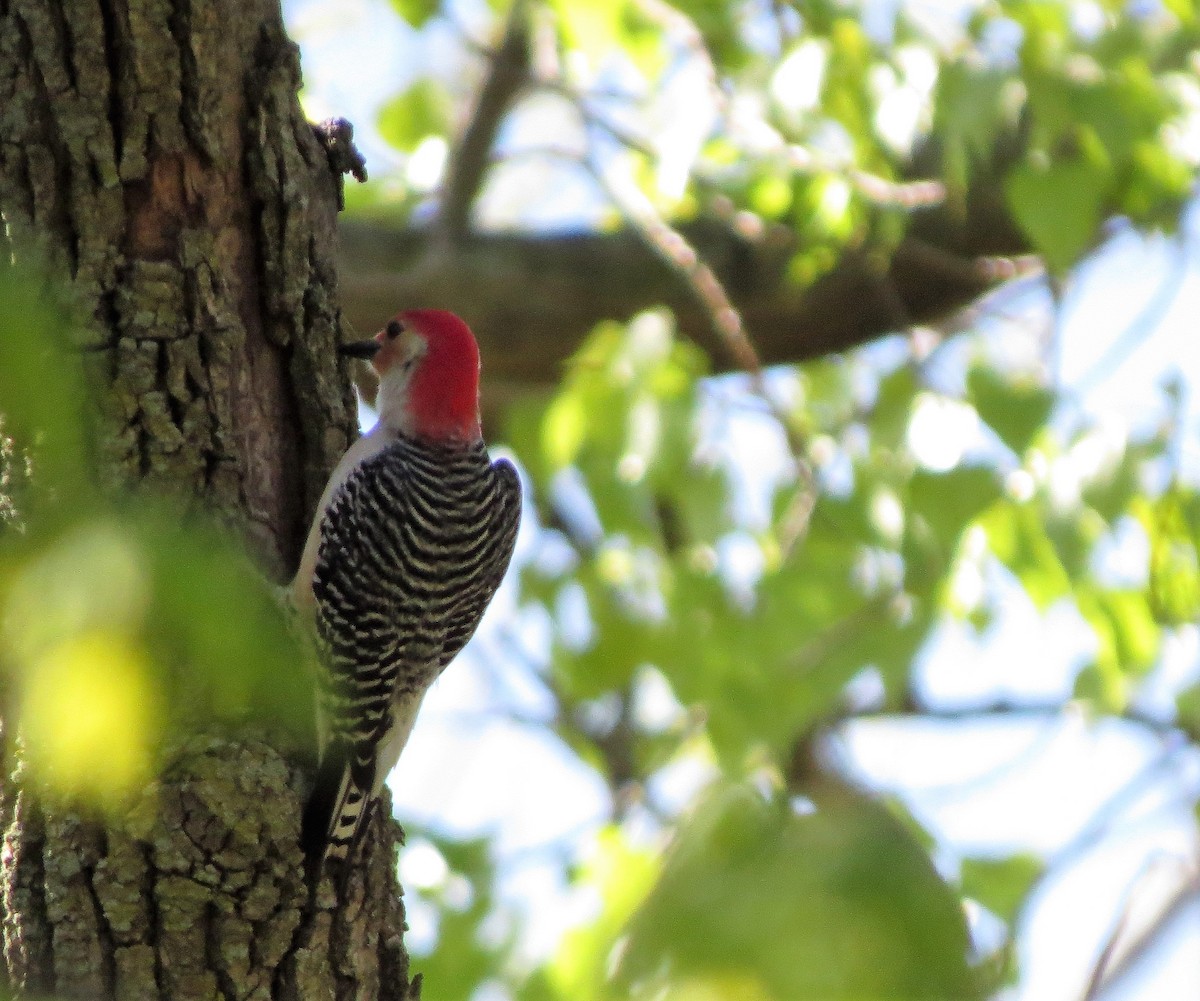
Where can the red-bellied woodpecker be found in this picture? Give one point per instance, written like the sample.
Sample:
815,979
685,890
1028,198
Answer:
410,541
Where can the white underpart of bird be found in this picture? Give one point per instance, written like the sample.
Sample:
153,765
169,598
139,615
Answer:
411,538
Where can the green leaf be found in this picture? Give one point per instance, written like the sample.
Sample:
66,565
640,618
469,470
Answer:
564,429
41,383
593,26
416,12
1001,884
1158,183
182,633
771,196
968,114
1122,621
422,110
1102,686
1113,489
1128,107
1172,525
1015,410
948,502
620,875
856,900
1187,708
1183,9
704,503
845,96
889,416
829,401
825,208
1059,206
524,434
717,22
1074,535
87,687
1017,535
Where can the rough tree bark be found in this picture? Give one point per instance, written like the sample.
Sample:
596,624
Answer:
156,154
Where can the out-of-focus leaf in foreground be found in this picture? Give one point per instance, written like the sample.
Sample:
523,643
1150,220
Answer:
41,389
121,629
760,900
121,633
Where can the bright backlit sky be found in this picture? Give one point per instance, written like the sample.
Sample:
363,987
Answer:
1029,783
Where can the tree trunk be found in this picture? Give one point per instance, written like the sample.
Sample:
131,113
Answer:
156,155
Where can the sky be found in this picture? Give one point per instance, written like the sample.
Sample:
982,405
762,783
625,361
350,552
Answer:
1014,784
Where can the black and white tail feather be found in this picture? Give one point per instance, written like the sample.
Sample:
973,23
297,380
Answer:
413,546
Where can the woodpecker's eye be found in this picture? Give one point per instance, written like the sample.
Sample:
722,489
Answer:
394,329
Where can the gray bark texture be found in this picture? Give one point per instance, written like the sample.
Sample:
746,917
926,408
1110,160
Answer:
156,156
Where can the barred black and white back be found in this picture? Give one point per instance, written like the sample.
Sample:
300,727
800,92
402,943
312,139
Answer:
413,547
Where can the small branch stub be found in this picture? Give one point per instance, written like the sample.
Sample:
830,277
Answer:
336,136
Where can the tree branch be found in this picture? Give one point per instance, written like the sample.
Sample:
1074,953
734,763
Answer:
583,278
1108,975
471,156
1000,708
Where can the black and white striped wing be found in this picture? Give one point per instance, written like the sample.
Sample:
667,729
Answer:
494,556
413,547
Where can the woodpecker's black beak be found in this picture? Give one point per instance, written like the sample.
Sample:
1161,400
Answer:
360,349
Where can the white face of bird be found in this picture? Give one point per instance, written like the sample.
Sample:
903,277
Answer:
399,354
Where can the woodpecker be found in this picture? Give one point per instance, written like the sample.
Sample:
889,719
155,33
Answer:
411,539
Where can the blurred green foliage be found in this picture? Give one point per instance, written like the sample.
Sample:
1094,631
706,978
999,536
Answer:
1075,112
462,896
771,622
836,903
122,629
899,500
646,500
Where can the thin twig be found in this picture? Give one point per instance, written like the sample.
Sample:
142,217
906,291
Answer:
1015,709
700,279
1108,813
675,250
1104,975
1100,967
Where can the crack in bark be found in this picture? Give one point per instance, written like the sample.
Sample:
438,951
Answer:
107,941
178,22
212,942
220,873
341,947
112,57
154,919
284,981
